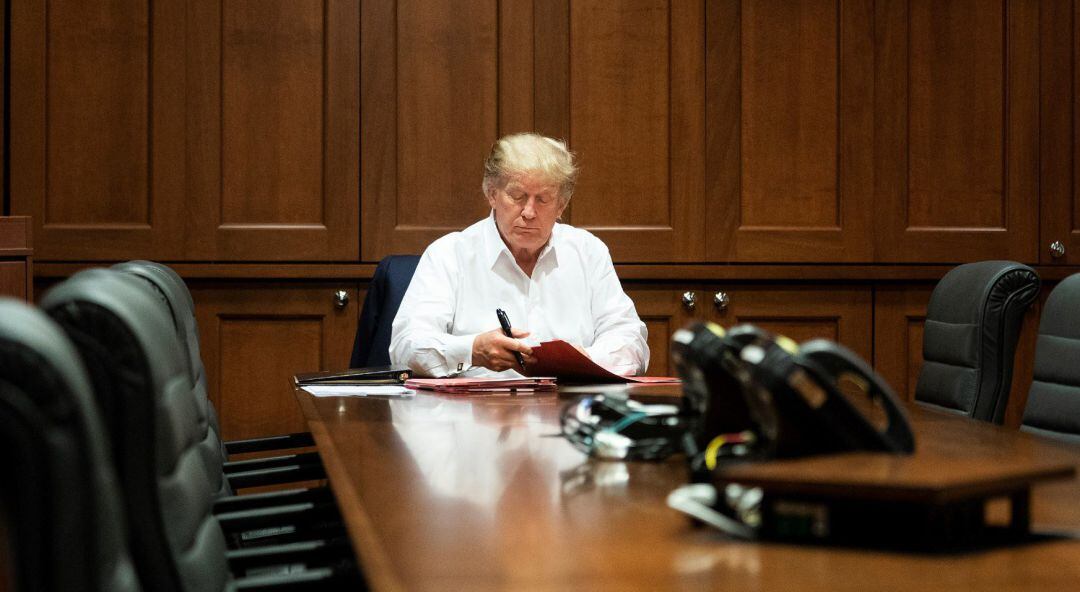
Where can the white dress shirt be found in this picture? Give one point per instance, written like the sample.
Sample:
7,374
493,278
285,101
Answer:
573,295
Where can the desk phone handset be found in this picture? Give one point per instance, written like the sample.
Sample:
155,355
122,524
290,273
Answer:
832,364
802,408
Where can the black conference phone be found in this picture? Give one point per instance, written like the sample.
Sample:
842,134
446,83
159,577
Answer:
779,400
754,397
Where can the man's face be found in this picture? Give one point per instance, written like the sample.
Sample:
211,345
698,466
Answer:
525,212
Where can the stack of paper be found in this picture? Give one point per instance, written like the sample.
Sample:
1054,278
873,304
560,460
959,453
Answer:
482,385
358,390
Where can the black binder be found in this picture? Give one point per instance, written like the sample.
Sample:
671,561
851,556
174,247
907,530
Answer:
375,375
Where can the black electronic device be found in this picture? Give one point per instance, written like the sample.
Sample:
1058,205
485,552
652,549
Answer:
373,375
616,428
706,358
748,386
798,401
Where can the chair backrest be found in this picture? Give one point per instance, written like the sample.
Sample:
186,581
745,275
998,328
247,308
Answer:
388,286
175,296
138,370
969,341
1053,405
61,501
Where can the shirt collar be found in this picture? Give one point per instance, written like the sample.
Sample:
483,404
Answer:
494,247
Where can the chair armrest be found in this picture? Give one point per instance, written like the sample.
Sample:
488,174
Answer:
289,514
323,578
252,464
282,442
318,553
276,475
254,501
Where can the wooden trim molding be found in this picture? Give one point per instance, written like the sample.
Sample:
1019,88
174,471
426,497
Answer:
626,271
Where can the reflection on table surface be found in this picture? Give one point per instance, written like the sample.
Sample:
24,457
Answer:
450,492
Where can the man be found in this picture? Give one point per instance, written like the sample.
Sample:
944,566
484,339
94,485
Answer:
553,280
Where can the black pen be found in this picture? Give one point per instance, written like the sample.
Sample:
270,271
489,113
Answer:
505,323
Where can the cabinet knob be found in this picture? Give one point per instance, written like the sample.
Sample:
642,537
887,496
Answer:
341,299
721,300
1057,249
689,300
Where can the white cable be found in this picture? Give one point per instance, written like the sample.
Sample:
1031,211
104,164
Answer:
698,500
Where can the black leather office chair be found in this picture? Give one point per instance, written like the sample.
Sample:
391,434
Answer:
299,514
209,442
142,381
1053,405
392,277
969,341
176,298
60,497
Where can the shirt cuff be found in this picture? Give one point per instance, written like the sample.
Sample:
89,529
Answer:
458,353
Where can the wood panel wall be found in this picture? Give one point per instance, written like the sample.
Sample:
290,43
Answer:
200,131
762,131
844,154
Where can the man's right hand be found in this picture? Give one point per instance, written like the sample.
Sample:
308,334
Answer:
495,351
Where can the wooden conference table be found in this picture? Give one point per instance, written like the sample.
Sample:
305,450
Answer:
477,493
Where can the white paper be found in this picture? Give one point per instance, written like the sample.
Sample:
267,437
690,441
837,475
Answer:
358,390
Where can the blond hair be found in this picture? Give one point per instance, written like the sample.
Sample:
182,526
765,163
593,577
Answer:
530,153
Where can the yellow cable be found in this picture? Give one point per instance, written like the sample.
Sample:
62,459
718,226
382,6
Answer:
712,450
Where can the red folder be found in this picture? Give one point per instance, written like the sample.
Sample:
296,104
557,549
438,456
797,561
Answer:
562,360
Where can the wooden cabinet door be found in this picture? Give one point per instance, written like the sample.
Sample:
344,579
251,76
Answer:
440,81
840,314
255,337
1059,131
663,311
635,117
789,114
97,127
13,280
956,123
899,316
430,107
16,258
622,82
273,130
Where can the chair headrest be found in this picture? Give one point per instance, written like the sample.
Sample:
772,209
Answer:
176,296
130,302
983,283
1059,315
